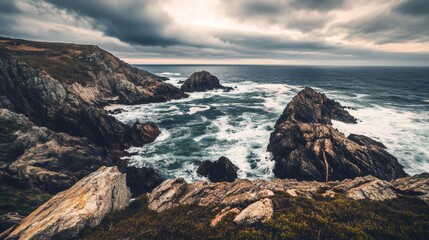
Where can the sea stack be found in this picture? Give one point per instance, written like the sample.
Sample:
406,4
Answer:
201,82
305,146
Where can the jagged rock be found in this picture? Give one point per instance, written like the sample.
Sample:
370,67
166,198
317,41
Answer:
309,106
417,185
9,219
306,147
81,207
222,170
202,81
234,197
66,94
260,211
39,158
142,180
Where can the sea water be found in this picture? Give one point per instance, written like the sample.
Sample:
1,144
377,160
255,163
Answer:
392,105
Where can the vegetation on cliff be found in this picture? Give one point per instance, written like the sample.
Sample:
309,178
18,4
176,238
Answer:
294,218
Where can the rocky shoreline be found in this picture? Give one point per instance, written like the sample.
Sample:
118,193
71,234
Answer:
57,139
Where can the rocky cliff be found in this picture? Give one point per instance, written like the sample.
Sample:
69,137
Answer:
81,207
62,86
305,146
53,128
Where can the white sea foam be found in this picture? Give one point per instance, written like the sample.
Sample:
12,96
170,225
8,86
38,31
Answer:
168,74
242,135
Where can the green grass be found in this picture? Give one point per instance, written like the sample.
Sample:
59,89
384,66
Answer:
294,218
64,62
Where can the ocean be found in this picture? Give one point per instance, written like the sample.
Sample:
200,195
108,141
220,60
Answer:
392,106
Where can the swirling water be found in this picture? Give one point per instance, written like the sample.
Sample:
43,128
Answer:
392,105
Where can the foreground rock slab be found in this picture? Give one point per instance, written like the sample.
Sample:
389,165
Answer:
250,201
81,207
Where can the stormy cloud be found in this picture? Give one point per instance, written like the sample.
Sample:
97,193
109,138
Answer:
391,32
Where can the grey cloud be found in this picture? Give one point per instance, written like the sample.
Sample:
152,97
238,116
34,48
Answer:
130,21
414,8
406,22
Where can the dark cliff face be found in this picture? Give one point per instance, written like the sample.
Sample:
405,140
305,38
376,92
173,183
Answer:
305,146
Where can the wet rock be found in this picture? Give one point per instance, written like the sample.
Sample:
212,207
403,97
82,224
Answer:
115,111
142,180
258,212
222,170
201,82
144,133
81,207
305,146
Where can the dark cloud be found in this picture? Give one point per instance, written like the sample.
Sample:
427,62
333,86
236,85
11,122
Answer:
406,22
318,5
414,8
135,22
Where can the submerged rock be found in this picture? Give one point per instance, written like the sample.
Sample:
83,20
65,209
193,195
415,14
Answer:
81,207
202,81
305,146
222,170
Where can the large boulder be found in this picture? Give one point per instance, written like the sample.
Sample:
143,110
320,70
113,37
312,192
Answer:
305,146
81,207
222,170
201,82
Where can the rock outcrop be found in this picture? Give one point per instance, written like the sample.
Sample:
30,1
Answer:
249,201
222,170
40,158
201,82
305,146
82,206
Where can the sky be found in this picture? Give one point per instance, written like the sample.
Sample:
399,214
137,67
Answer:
289,32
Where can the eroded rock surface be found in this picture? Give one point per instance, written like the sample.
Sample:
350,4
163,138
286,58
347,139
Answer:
305,146
202,81
235,197
82,206
222,170
40,158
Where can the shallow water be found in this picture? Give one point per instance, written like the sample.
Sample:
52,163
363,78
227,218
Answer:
392,106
